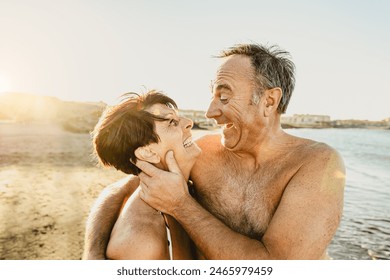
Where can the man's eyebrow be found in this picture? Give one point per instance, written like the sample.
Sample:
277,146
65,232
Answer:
223,86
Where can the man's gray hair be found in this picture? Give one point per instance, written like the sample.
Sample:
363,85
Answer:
273,68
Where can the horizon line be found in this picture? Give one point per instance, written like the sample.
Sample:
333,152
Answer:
201,110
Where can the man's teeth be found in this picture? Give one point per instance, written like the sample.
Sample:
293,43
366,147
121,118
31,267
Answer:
229,125
187,143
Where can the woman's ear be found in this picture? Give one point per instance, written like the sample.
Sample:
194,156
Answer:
272,100
147,154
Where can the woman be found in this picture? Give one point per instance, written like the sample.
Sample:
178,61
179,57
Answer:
145,127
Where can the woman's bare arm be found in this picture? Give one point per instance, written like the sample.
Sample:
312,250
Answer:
103,216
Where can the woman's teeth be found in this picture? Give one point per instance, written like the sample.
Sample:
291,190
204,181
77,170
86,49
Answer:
187,143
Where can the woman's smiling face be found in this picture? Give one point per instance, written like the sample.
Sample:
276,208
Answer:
174,134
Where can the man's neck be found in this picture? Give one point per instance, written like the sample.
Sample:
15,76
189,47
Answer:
268,145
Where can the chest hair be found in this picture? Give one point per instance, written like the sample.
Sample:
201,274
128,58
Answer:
244,201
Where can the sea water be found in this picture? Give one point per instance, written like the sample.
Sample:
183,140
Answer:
364,231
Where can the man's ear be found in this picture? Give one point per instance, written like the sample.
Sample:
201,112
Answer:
272,100
147,154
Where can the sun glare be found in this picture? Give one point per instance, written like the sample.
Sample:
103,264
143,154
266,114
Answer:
4,84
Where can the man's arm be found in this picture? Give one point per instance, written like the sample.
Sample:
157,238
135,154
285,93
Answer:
301,228
103,216
310,209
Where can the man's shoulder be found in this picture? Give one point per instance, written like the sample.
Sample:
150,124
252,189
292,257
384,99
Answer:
126,181
128,184
311,149
210,143
321,151
319,156
211,149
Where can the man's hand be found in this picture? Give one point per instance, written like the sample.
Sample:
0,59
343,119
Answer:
163,190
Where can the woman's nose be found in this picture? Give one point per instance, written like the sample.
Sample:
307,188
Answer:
188,123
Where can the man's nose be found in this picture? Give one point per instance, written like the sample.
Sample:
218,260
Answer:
214,110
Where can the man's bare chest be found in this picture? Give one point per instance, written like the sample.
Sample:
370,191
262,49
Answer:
244,201
244,204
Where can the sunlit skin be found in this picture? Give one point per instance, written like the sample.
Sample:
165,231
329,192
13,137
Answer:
139,232
260,192
173,134
235,112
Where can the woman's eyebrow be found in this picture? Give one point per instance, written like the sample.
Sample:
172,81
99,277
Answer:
163,118
170,114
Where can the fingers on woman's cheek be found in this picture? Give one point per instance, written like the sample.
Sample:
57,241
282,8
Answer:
143,176
143,188
143,192
147,168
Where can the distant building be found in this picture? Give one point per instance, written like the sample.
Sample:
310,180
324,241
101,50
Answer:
302,121
360,124
294,121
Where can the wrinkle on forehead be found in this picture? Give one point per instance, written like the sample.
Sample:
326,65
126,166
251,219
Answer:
236,66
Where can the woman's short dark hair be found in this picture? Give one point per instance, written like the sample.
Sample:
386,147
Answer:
125,127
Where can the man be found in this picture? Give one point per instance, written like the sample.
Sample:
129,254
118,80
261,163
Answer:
260,192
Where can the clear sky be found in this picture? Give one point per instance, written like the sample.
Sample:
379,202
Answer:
95,50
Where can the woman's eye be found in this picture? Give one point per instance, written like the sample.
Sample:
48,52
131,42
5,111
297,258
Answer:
174,122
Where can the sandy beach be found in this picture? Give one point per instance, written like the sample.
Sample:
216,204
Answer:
48,183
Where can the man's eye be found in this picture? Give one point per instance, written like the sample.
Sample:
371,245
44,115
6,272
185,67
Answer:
223,100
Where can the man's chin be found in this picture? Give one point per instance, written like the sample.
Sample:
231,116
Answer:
228,143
